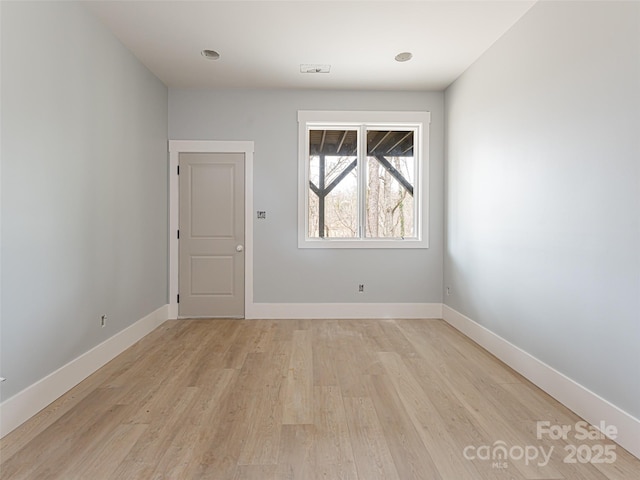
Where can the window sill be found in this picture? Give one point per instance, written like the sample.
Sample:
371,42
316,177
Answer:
360,243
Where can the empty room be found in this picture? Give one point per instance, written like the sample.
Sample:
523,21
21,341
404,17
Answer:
317,239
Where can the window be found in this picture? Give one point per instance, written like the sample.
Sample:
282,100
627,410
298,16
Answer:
362,179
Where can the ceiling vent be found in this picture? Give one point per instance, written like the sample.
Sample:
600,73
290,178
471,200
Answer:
314,68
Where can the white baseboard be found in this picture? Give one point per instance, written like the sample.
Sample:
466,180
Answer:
22,406
586,404
343,310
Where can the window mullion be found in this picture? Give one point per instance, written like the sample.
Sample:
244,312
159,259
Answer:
362,181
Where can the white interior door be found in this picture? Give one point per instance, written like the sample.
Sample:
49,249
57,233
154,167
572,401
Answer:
211,238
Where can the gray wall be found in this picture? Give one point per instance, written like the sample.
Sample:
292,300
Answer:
84,188
282,272
543,192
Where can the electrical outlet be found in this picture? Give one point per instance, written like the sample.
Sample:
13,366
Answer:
361,287
103,321
448,290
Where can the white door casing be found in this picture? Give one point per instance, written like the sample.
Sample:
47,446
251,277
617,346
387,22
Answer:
184,146
211,241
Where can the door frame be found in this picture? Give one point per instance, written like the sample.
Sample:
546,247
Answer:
176,147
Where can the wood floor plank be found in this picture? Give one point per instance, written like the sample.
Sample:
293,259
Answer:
185,453
370,450
160,432
543,407
20,437
35,427
298,404
238,410
90,437
256,472
411,457
324,370
240,345
387,337
262,443
456,395
61,436
105,454
354,359
296,458
230,399
332,444
215,342
434,431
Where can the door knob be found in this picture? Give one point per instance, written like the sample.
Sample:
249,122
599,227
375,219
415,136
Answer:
239,248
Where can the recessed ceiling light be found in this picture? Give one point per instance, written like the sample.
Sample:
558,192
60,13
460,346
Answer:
210,54
404,57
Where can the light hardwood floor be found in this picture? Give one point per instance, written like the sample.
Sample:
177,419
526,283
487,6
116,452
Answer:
303,400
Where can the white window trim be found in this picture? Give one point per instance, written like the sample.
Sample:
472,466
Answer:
308,118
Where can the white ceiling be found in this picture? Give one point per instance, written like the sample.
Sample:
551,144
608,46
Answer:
263,43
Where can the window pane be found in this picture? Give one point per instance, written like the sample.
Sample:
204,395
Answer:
390,209
314,205
341,203
333,184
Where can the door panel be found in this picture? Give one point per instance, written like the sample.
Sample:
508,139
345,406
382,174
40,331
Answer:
212,184
211,266
204,283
